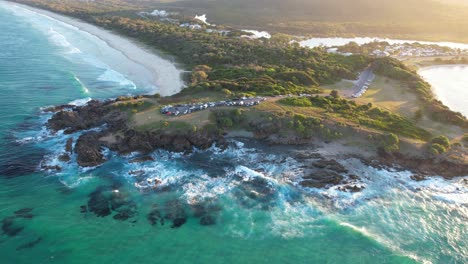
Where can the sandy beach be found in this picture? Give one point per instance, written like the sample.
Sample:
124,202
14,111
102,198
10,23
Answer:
164,75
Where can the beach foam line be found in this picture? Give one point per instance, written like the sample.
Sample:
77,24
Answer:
161,73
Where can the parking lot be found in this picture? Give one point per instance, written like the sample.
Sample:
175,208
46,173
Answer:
363,83
184,109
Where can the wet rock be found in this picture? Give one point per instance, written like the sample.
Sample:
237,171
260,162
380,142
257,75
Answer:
69,146
321,179
141,159
154,216
124,214
330,165
64,158
205,208
256,192
10,227
91,115
99,202
66,119
174,211
181,144
418,177
207,220
178,222
51,167
105,200
352,188
136,172
54,109
83,209
23,211
29,244
89,150
306,156
353,177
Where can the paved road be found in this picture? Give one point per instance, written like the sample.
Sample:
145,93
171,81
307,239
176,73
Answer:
366,77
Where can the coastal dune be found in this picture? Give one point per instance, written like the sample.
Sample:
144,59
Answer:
163,73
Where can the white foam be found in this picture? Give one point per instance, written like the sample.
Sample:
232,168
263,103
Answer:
80,102
61,41
113,76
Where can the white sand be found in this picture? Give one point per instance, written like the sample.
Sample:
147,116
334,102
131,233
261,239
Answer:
164,74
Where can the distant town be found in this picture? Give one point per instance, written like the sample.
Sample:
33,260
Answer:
385,49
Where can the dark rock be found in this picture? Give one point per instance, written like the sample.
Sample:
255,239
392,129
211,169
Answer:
99,202
352,188
64,158
256,191
29,244
58,108
83,209
207,220
10,226
154,216
306,155
418,177
204,208
353,177
23,211
428,166
51,167
174,209
178,222
125,214
89,150
330,165
141,159
69,145
321,179
180,144
93,114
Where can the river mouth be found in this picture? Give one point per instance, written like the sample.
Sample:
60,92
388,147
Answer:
450,85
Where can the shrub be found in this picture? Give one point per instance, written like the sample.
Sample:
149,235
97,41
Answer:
296,101
441,140
226,122
437,149
390,143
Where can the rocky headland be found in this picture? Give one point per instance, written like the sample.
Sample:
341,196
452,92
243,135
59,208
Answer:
103,126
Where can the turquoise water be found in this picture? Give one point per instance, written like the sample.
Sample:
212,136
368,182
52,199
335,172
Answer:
246,192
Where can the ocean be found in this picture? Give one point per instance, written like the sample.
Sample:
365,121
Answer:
241,204
450,85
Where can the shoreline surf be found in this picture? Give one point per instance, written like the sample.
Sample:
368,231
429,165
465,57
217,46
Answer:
167,77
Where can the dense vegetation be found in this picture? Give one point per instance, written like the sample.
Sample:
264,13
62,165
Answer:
365,115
